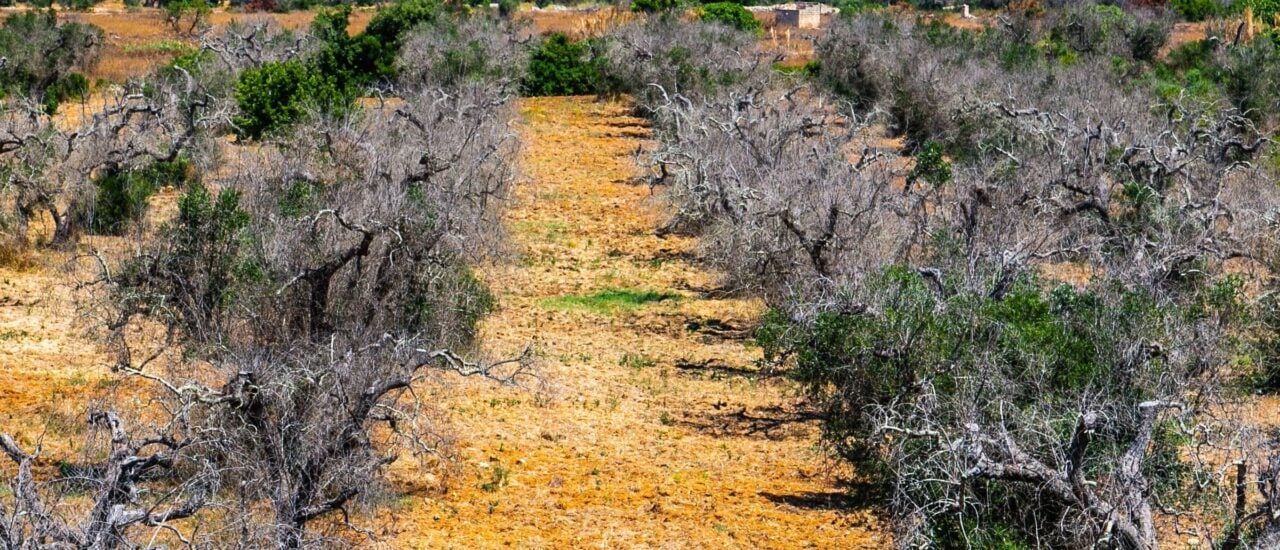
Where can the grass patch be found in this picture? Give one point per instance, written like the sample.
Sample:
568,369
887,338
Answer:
637,361
804,70
499,480
160,46
550,231
610,300
13,335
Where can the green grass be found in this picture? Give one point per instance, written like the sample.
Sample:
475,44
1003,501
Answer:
160,46
500,478
636,361
548,231
610,300
14,335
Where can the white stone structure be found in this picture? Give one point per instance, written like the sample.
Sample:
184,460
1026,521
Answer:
802,15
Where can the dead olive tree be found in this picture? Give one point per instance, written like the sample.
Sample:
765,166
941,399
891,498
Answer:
328,273
780,187
448,52
49,164
983,401
658,59
129,491
307,283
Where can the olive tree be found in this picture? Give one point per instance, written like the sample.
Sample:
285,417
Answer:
287,315
919,300
49,165
328,272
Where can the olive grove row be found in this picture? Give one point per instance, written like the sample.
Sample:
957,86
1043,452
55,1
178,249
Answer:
1038,317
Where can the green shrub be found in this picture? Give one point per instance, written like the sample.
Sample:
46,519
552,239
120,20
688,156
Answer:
453,301
40,53
77,5
1266,346
277,95
122,194
1196,10
918,112
390,24
368,58
654,6
1192,55
731,14
187,16
207,236
850,8
1145,39
1264,9
1088,29
72,86
931,167
351,61
909,340
844,66
559,66
1249,77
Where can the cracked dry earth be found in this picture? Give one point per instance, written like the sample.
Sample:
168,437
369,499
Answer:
655,427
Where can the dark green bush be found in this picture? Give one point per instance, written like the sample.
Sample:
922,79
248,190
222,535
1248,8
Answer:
1089,29
390,24
931,166
911,340
41,54
559,66
351,61
277,95
1266,345
456,298
1145,39
72,86
1249,77
731,14
1196,10
919,113
78,5
508,8
843,66
1264,9
654,6
368,58
122,194
206,242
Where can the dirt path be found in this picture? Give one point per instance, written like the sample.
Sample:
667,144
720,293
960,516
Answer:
657,430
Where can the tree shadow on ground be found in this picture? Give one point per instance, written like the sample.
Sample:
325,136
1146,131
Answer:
716,369
851,496
774,423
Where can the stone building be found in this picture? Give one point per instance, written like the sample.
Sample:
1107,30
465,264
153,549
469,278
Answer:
802,15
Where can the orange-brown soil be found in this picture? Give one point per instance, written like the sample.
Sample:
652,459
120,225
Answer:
49,369
655,425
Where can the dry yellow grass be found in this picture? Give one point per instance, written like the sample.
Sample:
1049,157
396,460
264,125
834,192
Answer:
577,23
49,369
